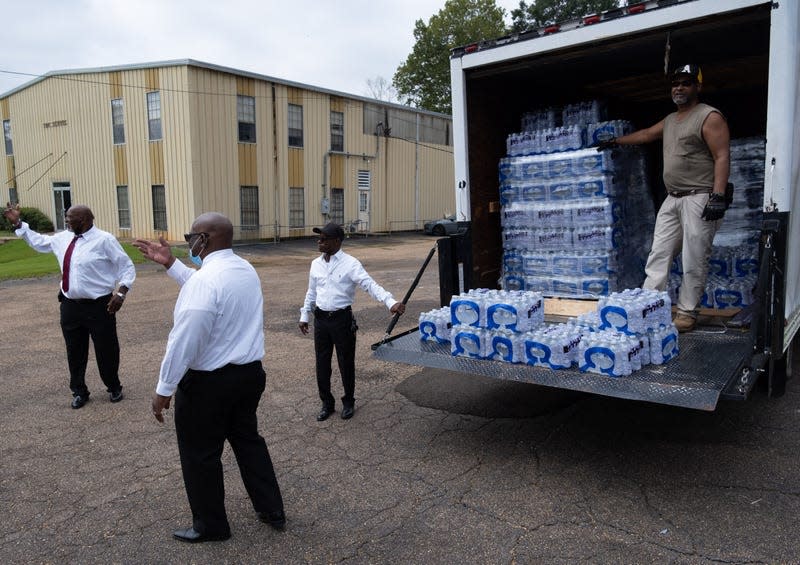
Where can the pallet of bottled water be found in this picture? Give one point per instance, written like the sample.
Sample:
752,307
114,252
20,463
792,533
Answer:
628,330
733,273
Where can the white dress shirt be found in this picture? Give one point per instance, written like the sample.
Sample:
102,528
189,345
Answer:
98,260
218,318
332,284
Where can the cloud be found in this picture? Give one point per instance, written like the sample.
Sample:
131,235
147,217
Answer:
335,45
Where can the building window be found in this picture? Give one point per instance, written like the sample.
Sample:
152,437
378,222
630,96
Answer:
7,137
295,125
159,208
364,180
13,196
337,205
246,114
154,115
118,121
363,202
123,208
337,131
297,207
248,203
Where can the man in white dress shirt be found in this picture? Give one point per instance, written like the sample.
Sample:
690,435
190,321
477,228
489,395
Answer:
213,367
332,286
92,262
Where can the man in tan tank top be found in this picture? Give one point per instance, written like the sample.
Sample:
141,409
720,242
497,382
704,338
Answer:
696,144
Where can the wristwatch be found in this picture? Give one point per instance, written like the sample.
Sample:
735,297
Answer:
121,296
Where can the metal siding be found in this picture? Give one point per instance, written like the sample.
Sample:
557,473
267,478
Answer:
115,84
215,143
156,150
120,165
337,104
248,170
316,127
265,152
245,86
296,177
199,157
337,171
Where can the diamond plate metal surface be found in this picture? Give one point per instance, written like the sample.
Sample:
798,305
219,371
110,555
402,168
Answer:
706,363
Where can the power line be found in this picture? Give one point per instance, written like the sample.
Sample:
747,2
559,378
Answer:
29,168
44,173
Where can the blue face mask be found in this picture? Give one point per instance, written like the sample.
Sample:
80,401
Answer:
196,259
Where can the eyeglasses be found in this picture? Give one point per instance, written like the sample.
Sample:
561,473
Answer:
188,236
684,83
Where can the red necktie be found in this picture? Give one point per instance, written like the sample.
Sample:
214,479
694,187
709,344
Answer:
67,260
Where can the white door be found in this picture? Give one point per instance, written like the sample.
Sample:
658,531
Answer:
62,200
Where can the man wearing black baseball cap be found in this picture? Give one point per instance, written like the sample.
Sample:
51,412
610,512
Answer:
696,143
331,290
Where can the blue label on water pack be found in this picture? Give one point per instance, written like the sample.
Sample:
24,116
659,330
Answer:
534,193
728,298
565,265
599,359
466,345
537,265
719,266
501,349
597,287
669,346
615,317
746,266
514,282
465,313
501,316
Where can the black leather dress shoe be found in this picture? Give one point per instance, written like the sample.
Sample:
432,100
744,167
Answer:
324,413
190,535
116,396
347,412
275,519
79,401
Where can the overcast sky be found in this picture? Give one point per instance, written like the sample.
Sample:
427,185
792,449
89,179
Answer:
331,44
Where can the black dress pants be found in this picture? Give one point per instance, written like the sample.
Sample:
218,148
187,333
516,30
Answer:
211,407
80,320
335,330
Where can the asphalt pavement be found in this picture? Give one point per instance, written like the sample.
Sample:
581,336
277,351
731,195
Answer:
433,468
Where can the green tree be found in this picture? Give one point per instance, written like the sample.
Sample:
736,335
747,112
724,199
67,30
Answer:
544,12
423,80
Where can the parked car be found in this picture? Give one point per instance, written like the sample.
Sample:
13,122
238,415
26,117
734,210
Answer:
442,226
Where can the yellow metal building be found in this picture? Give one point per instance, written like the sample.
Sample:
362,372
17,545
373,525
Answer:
149,147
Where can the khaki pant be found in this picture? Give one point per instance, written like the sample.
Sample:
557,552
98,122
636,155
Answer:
680,229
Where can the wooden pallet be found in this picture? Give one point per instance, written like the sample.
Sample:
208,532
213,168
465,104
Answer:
561,309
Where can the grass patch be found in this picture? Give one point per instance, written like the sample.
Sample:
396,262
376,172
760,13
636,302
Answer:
18,261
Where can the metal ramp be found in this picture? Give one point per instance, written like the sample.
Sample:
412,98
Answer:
708,363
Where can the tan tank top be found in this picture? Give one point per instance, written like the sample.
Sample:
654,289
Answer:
688,164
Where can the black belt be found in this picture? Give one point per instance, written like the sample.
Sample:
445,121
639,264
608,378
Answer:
326,314
106,298
682,193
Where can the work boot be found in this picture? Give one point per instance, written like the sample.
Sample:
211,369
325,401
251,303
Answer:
684,322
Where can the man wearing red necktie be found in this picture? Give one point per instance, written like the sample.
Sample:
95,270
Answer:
92,263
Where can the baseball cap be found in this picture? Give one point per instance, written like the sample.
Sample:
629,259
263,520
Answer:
331,229
691,70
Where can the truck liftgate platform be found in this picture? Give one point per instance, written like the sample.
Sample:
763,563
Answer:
711,364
